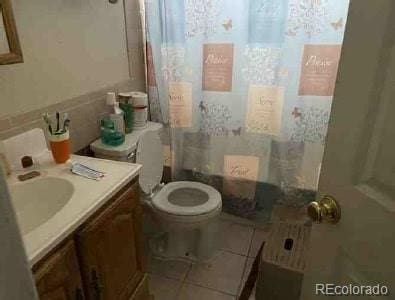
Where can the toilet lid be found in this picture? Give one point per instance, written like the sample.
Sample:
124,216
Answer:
187,198
150,156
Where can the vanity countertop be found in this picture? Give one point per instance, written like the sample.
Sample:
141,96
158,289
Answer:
89,195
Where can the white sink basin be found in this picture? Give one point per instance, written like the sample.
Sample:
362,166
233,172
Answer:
37,201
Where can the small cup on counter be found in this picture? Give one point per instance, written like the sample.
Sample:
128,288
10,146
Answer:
60,147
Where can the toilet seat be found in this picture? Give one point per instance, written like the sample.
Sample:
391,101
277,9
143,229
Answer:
163,201
149,155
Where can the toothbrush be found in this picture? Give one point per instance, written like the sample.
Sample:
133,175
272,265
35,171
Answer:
57,122
66,122
48,122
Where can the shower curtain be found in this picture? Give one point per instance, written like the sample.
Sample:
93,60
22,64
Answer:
244,90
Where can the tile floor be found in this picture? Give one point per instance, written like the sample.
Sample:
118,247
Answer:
224,278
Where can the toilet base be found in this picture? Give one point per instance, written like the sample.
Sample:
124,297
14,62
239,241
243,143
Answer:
193,245
185,237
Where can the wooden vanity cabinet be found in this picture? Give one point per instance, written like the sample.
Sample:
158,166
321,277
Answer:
58,276
109,247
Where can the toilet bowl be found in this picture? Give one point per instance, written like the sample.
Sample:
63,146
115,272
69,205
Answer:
186,205
186,212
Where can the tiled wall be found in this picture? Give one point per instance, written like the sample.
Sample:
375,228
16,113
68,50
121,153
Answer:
86,110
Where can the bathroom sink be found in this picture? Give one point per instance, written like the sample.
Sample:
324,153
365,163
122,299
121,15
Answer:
37,201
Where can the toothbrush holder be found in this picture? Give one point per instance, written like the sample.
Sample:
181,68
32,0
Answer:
60,147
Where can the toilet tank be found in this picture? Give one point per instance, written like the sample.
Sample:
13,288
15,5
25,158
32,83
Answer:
127,151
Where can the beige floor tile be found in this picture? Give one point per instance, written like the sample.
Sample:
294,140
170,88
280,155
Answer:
259,236
163,288
168,268
223,274
193,292
234,237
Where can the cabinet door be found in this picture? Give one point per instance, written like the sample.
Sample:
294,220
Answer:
110,249
58,277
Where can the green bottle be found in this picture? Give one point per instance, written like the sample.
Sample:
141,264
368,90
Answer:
109,136
125,103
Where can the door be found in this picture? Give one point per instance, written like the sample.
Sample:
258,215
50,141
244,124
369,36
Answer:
110,248
58,277
358,168
16,280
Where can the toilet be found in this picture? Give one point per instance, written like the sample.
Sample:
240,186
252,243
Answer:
185,211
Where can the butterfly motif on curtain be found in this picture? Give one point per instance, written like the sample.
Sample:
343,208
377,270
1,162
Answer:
237,131
296,113
228,25
337,25
290,33
203,107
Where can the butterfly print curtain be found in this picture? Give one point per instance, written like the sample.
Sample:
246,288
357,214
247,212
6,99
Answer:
244,90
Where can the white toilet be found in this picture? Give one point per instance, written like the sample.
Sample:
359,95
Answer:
186,211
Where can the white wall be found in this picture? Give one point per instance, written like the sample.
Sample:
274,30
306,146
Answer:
70,47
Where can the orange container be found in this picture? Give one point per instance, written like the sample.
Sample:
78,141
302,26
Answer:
60,147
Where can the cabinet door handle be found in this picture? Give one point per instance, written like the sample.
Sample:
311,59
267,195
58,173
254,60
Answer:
96,286
78,294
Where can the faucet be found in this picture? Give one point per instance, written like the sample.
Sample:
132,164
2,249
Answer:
4,164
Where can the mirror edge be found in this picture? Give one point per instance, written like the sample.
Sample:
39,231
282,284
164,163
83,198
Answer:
15,54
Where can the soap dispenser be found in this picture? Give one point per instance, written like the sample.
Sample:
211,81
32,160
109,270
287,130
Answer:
117,116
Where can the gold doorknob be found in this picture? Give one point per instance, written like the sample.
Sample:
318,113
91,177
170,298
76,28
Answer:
326,210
